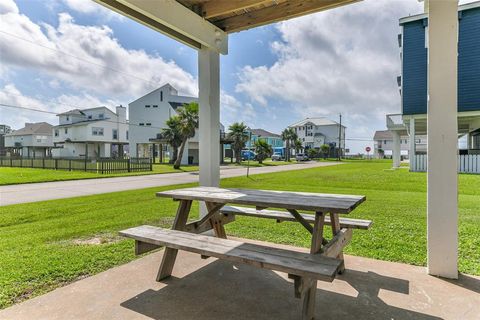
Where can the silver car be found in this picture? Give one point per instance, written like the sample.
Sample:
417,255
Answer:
301,157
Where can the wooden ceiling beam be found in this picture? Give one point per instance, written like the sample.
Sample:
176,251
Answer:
215,8
282,11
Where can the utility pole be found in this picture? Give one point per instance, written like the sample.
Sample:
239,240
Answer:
339,151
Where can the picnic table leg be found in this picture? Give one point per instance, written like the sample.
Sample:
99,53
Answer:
170,254
308,309
335,222
217,225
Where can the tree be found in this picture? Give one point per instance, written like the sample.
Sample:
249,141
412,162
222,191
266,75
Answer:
312,153
297,145
188,122
172,135
325,148
238,133
288,135
263,150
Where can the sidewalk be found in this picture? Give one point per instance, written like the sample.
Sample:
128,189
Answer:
24,193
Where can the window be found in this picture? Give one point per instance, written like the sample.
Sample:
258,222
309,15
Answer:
148,124
89,117
66,130
126,135
141,124
161,95
56,133
68,118
114,134
155,106
385,141
97,131
100,116
147,106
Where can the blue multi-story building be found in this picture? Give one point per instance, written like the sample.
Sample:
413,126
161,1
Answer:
273,139
413,42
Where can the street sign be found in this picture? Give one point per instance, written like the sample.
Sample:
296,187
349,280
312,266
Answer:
368,149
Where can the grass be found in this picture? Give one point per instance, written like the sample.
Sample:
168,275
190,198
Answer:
265,163
47,244
29,175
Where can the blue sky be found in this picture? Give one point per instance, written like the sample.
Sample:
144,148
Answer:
344,60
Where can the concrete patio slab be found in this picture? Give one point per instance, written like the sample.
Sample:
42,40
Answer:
32,192
213,289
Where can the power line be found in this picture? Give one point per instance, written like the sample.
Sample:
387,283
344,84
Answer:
79,58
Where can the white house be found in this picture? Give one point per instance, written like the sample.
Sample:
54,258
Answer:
149,114
32,141
314,132
91,133
383,140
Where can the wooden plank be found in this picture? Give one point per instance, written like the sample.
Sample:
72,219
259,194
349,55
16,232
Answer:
267,198
170,255
143,247
193,227
215,8
335,223
316,266
285,216
300,219
338,242
215,221
282,11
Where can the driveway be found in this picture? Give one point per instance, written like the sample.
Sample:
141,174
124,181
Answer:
24,193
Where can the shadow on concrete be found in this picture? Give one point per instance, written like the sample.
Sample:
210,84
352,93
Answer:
222,290
466,282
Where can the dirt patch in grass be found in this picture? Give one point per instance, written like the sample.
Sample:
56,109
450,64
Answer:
97,240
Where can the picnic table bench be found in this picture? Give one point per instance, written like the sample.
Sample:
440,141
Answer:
323,263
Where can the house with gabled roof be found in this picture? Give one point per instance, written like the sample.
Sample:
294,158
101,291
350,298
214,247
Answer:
315,132
32,141
91,133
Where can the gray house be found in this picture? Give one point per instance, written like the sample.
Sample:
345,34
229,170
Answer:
32,141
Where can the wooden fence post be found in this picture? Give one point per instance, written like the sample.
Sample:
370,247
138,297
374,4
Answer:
56,164
151,167
128,164
101,162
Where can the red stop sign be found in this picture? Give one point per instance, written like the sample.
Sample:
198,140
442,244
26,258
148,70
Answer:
368,149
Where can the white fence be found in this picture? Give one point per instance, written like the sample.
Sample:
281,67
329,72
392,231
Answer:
469,163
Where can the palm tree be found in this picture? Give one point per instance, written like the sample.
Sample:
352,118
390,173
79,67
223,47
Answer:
288,135
188,122
263,150
172,135
297,145
238,133
325,148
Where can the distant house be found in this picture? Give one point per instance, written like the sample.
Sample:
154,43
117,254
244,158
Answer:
383,144
32,141
315,132
149,114
4,129
91,133
273,139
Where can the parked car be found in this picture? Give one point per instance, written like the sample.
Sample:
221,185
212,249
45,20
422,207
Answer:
248,155
301,157
277,156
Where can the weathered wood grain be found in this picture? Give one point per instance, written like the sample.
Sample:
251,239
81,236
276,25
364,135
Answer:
286,216
292,262
269,199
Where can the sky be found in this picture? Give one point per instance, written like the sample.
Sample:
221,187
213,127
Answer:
56,55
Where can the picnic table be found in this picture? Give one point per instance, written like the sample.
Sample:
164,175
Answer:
323,263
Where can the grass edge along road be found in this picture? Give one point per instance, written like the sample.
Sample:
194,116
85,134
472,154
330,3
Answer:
47,244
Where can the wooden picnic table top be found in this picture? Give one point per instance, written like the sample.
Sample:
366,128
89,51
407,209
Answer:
316,202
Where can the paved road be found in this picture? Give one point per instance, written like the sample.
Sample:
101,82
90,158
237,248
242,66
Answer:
23,193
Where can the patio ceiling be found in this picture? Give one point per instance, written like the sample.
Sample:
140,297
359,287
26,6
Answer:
206,23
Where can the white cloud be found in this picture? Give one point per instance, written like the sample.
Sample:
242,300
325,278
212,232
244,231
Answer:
7,6
344,60
233,110
95,44
91,7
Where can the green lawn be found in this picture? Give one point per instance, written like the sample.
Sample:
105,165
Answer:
29,175
47,244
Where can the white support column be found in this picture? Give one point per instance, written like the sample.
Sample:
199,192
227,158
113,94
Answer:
396,151
469,141
442,205
209,118
411,150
